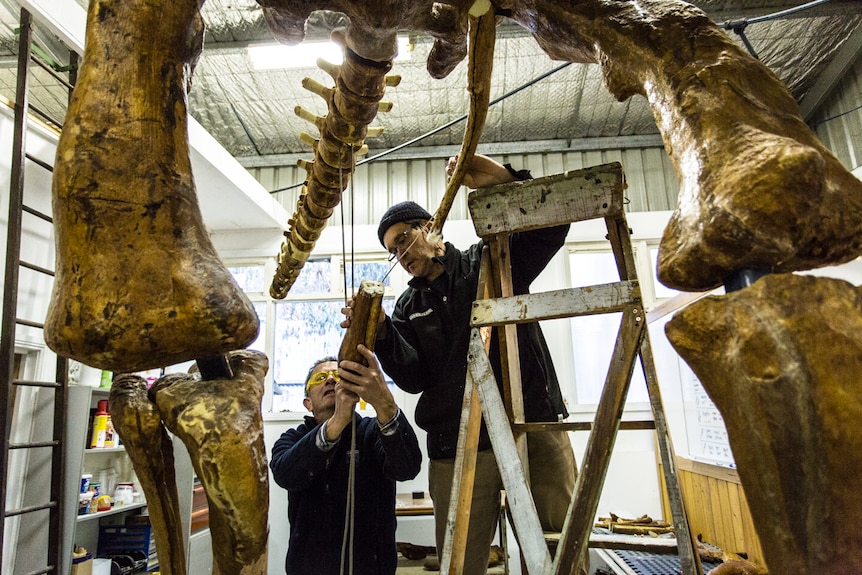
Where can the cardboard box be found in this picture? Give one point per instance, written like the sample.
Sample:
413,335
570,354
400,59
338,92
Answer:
83,566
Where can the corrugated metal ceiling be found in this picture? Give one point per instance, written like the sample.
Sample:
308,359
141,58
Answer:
250,112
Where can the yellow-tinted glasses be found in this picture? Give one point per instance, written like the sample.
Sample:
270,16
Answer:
321,377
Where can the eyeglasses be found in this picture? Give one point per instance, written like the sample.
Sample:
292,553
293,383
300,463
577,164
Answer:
398,249
322,377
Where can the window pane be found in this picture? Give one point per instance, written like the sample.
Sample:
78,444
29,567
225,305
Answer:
249,278
315,277
366,271
305,331
594,336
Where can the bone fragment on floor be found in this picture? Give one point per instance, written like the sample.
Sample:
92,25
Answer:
220,423
139,284
151,451
781,359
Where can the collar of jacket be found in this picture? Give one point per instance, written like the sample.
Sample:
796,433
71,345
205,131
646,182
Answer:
449,260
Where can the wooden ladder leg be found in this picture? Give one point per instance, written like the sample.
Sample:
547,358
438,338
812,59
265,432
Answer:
686,547
520,501
576,532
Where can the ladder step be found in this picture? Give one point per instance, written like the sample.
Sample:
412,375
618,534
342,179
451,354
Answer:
572,302
573,196
31,509
42,571
36,268
29,323
38,214
26,383
33,444
575,426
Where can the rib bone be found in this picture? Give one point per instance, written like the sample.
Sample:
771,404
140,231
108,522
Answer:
139,284
780,359
146,440
219,421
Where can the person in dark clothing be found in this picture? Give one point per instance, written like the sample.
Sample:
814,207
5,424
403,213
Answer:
313,463
423,347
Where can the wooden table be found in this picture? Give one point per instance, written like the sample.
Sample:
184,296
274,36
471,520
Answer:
406,504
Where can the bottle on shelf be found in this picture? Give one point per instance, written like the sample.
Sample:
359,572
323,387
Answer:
100,425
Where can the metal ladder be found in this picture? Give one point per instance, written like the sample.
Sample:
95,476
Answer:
498,211
42,505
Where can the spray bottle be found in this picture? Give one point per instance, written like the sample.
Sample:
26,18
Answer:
100,425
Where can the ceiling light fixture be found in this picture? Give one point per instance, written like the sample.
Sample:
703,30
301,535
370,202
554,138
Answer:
305,54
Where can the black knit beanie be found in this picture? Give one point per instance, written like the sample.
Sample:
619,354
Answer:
401,212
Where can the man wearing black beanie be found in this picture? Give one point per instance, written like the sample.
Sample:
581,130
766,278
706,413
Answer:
423,347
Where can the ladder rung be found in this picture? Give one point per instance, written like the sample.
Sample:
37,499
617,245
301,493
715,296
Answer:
39,162
31,509
575,426
29,323
36,268
48,569
590,300
24,383
33,444
573,196
38,214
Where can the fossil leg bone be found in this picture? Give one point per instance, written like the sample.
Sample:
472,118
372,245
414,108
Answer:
149,447
480,46
220,423
139,284
780,359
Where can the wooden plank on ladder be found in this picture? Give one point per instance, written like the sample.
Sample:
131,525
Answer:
466,452
524,515
550,201
579,523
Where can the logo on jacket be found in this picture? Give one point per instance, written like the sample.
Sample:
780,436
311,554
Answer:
419,314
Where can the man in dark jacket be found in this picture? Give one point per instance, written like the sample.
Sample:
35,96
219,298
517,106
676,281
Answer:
313,463
423,347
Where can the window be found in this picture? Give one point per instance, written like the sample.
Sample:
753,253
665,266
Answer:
306,325
593,336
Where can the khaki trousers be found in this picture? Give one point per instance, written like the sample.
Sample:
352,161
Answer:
552,481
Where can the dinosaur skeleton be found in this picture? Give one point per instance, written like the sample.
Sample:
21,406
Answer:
139,285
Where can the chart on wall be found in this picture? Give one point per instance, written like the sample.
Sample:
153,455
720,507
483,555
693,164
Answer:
696,426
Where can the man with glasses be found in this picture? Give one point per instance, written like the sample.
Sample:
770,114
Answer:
423,346
335,527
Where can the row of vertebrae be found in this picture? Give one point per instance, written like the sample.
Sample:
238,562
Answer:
352,104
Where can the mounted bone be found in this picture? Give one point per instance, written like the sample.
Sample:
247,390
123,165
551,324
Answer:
149,447
780,359
220,423
139,284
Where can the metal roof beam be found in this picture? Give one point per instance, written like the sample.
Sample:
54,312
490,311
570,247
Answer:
842,61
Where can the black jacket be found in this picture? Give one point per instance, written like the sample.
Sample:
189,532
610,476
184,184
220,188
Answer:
425,346
316,482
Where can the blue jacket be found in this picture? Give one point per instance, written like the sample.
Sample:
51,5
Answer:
317,481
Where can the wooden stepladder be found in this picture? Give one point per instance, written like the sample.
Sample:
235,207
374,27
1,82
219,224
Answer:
520,206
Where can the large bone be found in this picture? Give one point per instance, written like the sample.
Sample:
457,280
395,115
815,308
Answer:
363,322
757,188
139,284
480,48
220,423
146,440
781,359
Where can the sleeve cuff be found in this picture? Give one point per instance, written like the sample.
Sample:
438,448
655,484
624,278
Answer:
519,175
391,426
321,441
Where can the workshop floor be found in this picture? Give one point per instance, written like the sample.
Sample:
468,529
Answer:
416,567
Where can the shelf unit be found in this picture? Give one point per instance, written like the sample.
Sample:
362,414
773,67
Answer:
84,529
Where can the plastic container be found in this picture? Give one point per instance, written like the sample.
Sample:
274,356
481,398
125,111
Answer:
86,478
100,425
124,494
84,502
